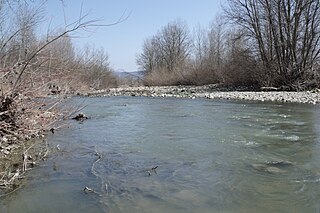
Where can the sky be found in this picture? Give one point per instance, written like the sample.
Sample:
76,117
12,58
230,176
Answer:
144,18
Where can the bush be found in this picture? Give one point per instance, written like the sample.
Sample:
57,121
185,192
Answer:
163,77
241,70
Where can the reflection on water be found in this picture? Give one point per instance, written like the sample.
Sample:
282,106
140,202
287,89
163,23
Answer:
206,155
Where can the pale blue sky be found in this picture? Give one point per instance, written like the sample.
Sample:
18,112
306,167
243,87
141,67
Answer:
124,41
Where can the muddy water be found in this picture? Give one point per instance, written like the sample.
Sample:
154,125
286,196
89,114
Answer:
210,156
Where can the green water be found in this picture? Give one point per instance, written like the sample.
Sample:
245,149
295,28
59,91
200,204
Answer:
211,156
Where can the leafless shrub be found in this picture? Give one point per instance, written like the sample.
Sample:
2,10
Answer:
239,67
162,77
94,70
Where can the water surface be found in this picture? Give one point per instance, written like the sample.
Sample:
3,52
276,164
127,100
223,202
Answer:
211,156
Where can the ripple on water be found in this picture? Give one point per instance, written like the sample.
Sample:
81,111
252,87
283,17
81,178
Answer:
293,138
233,160
247,143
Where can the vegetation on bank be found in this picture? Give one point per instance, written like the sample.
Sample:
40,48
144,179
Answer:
34,65
254,43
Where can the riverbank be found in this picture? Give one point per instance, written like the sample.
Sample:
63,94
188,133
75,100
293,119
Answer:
24,123
212,92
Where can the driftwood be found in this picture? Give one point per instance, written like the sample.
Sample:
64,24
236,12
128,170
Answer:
152,170
80,117
268,89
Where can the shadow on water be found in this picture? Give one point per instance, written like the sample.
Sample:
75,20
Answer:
178,155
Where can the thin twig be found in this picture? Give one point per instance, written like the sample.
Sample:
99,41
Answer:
11,192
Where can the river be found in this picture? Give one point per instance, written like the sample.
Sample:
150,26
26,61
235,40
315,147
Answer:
178,155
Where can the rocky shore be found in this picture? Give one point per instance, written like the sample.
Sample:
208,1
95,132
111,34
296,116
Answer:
213,92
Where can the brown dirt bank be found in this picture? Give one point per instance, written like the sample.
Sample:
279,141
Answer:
24,122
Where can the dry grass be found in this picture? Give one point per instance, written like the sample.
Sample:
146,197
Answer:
163,77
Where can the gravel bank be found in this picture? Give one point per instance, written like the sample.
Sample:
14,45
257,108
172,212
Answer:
212,92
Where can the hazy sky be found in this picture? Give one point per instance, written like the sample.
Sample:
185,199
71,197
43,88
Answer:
123,42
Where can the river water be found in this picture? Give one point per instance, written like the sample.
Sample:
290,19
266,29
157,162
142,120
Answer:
210,156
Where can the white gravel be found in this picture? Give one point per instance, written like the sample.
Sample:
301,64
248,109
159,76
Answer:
211,92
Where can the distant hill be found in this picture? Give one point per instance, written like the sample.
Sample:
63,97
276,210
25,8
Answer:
135,74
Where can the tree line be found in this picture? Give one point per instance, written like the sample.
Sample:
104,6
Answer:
31,63
256,43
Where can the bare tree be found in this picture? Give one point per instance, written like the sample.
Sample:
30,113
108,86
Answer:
285,33
168,49
147,60
18,39
201,45
93,66
174,44
209,46
217,41
239,67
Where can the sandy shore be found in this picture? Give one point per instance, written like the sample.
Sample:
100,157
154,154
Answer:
212,92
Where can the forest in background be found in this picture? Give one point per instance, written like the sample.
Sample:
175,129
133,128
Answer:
265,43
254,43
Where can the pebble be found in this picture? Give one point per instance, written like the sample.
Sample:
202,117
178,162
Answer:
274,170
4,139
210,92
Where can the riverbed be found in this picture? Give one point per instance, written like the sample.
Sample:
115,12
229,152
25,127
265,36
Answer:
139,154
214,91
